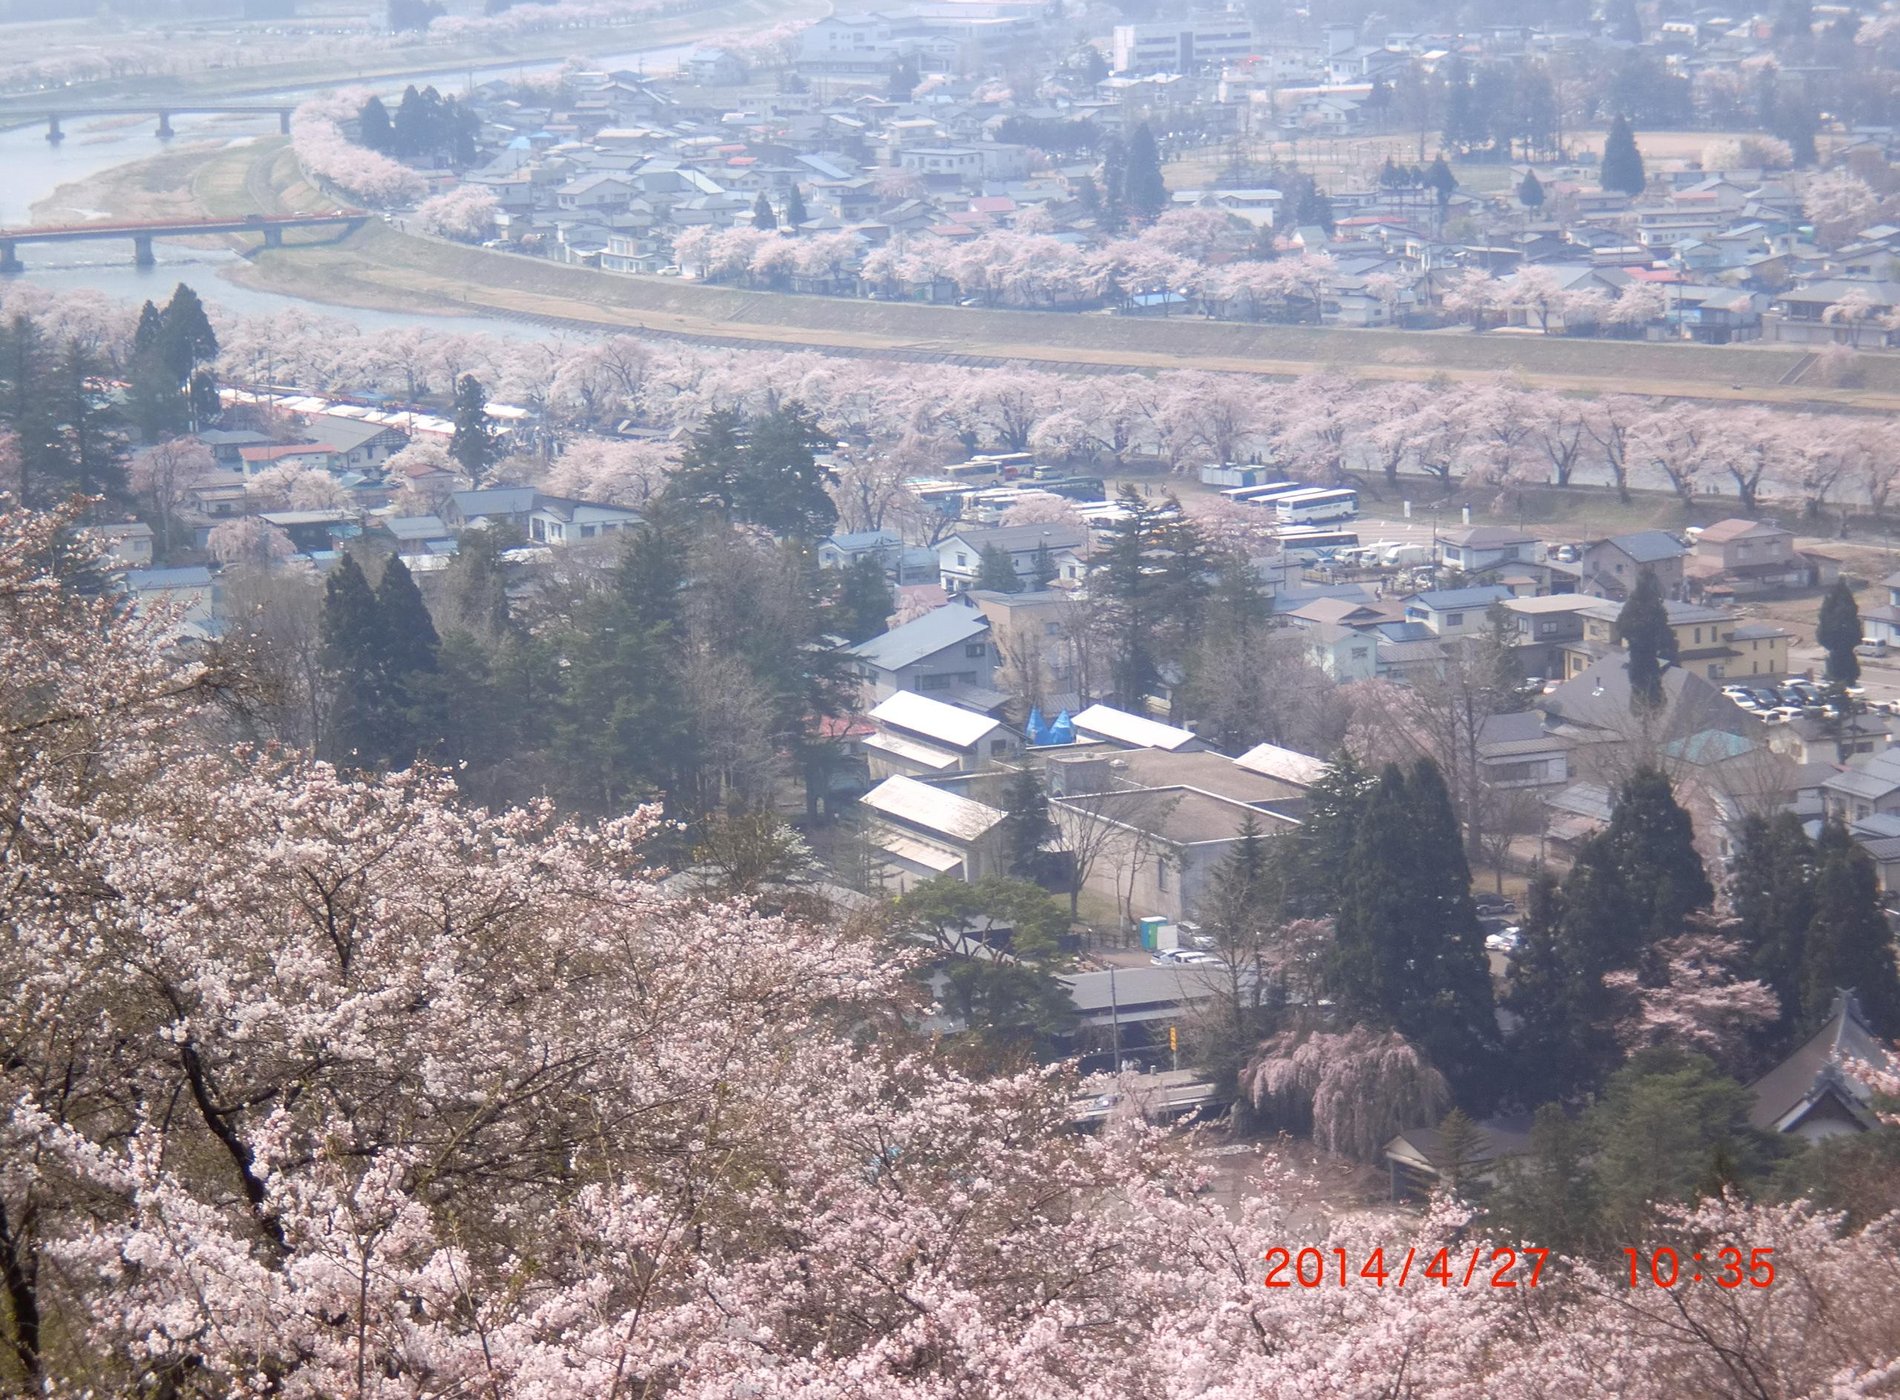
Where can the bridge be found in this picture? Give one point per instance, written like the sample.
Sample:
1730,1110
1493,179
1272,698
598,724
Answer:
165,111
271,226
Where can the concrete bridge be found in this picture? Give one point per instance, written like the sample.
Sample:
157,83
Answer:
271,226
165,111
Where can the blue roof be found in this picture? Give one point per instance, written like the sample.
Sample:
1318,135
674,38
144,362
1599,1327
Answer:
1442,599
926,636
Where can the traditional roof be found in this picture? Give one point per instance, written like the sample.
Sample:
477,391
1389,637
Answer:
1648,546
1817,1074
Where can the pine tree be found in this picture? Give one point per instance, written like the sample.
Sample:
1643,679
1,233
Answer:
795,214
1319,856
1550,997
475,583
185,336
783,484
762,216
1530,191
373,129
1440,181
1839,633
1460,1153
1547,1194
1622,163
1849,945
1144,191
996,572
1660,878
28,399
409,647
1043,571
474,445
1643,629
93,443
352,651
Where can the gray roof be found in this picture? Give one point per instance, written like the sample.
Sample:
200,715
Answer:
1784,1095
1599,698
1649,546
494,500
192,576
1016,538
1445,599
925,636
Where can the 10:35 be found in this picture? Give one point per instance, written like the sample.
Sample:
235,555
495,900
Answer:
1727,1268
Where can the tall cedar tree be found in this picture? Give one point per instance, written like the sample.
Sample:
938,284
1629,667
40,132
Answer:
373,126
1839,633
1440,181
474,444
1549,998
865,601
418,706
996,571
1643,629
762,216
1849,945
762,470
352,655
1409,947
1144,190
1315,860
794,209
1026,827
1152,577
1622,163
1657,873
1530,191
1773,895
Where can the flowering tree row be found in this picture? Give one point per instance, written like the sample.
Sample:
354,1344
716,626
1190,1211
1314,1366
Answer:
331,158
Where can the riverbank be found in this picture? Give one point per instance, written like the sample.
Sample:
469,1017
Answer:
382,269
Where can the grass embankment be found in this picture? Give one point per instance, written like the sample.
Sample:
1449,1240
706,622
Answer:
380,267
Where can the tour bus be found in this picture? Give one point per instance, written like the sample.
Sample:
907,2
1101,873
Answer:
1074,488
992,466
1250,495
1315,506
1313,544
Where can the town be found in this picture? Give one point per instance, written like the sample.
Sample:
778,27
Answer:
722,698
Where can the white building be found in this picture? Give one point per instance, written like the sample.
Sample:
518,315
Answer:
1181,47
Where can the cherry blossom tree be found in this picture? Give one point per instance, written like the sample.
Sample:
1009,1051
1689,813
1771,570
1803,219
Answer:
1357,1087
1697,1002
164,473
248,540
614,470
466,213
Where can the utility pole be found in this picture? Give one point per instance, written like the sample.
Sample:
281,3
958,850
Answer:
1114,1018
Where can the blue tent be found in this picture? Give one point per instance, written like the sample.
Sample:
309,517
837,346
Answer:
1063,730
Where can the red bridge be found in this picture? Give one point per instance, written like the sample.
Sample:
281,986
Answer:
271,226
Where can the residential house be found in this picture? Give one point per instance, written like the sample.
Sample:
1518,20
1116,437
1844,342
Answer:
1609,568
417,535
1475,549
1519,750
542,518
1455,612
310,456
359,444
1287,765
1418,1164
1866,787
123,546
922,737
1715,643
1815,1093
1038,657
186,593
315,531
1880,622
1031,548
1835,311
1740,557
1593,714
924,833
1816,739
1545,627
842,551
941,653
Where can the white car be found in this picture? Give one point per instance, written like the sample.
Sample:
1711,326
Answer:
1505,940
1184,957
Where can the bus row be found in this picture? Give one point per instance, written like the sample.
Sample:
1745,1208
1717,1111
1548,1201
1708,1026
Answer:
1294,503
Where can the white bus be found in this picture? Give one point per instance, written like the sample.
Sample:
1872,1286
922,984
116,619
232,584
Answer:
1315,506
1314,544
1247,495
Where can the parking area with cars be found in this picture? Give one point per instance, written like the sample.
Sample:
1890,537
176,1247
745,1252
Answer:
1779,702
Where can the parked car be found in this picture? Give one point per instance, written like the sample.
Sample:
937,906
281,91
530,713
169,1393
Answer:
1875,648
1184,957
1505,940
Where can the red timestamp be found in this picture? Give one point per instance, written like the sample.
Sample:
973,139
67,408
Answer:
1729,1267
1485,1267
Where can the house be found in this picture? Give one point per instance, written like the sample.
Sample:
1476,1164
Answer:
314,531
1154,851
1418,1163
123,546
1131,1004
1038,655
1478,548
1814,1094
1593,714
1545,626
542,518
416,535
1519,750
924,832
842,551
360,444
921,737
1715,643
310,456
1609,568
1455,612
1881,621
1867,787
939,653
225,443
1108,725
187,593
1815,739
1031,550
1744,557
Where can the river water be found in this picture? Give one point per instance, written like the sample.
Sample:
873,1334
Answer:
31,168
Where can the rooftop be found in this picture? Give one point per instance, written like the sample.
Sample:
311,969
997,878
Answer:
947,724
1133,731
932,809
1288,765
924,636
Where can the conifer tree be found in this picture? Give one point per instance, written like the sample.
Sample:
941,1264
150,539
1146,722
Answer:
1839,633
373,126
1440,181
1643,629
996,571
1316,859
865,601
1549,997
1530,191
1145,192
474,445
1026,827
1622,167
352,653
417,704
1773,895
794,209
1651,874
185,335
762,216
1849,945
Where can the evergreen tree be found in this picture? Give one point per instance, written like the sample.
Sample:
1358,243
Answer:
1839,633
154,399
1651,845
1026,827
1622,163
150,327
28,406
1043,571
1317,858
475,584
1549,997
762,216
783,486
1530,191
1440,181
1112,215
1410,952
1849,945
709,468
1152,576
474,445
865,601
996,571
185,336
94,446
1315,207
373,129
795,214
352,652
1547,1194
418,706
1643,629
1460,1153
1144,191
1773,895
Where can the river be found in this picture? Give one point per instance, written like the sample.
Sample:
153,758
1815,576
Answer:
34,167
